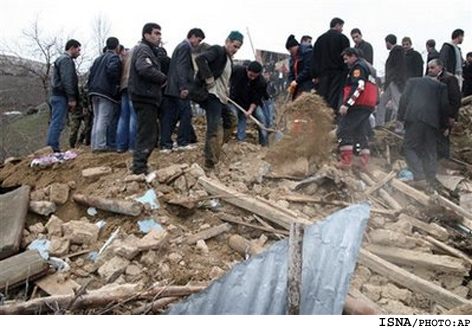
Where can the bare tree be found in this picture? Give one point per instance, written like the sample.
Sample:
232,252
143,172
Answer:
101,31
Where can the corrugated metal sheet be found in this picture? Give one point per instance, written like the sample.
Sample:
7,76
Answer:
259,285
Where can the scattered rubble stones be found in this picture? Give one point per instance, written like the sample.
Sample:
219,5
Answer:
175,258
37,228
111,270
59,247
202,247
216,272
96,171
81,232
54,226
59,193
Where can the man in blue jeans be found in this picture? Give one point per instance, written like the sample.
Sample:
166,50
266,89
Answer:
247,89
127,123
103,86
176,104
65,91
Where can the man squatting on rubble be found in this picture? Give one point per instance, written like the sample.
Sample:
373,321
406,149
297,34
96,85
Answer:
359,101
248,87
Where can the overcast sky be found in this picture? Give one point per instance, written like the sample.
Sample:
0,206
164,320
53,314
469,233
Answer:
270,22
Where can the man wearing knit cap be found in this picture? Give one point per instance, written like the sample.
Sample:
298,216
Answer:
299,75
214,68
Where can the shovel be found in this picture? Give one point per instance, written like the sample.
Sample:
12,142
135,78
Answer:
278,134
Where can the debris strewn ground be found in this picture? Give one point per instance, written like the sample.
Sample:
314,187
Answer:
132,270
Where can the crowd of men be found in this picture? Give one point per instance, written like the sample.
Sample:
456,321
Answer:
134,98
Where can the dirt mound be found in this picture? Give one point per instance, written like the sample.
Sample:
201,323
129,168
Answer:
307,124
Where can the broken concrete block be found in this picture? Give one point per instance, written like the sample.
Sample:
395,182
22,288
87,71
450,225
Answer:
39,195
59,247
135,178
43,208
59,193
216,272
81,232
111,270
133,270
202,247
394,293
96,171
153,240
149,258
196,171
175,258
37,228
54,226
181,185
128,248
372,292
163,175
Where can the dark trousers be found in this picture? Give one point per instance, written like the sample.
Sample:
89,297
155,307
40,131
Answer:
420,150
76,135
354,128
147,115
175,110
330,88
220,122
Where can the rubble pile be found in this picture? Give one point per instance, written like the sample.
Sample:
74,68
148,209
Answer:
185,227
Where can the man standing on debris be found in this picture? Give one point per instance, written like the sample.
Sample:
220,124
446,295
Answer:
432,52
247,89
299,76
366,50
214,68
65,92
423,109
451,55
359,100
395,78
104,90
436,69
467,75
177,104
145,83
327,65
413,60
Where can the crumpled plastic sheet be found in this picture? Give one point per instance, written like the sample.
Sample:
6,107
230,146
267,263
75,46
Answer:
145,226
149,197
259,285
51,159
42,246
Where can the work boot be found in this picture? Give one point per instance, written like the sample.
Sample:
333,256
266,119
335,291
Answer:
364,158
346,158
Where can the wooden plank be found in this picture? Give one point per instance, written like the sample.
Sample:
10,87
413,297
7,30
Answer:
438,263
307,199
381,183
295,264
382,193
250,204
20,268
433,229
451,250
244,224
209,233
131,208
404,278
56,285
14,207
358,304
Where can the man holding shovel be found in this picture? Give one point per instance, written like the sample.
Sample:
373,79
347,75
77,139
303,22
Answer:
247,90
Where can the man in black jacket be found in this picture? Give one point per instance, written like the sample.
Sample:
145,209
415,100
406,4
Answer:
467,76
366,50
327,64
247,89
214,68
145,83
451,55
395,78
413,60
423,110
104,90
299,75
176,106
436,69
65,91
